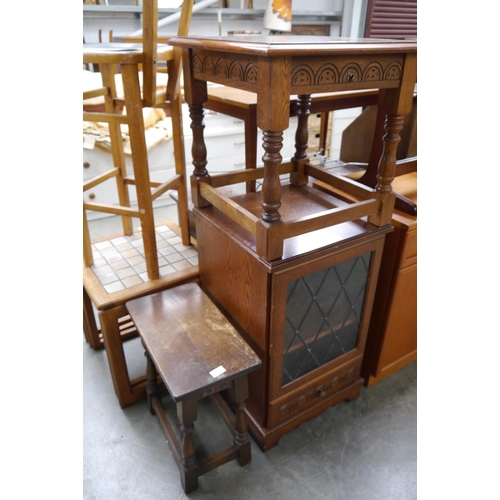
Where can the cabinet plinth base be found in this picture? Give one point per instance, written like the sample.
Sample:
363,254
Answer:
267,438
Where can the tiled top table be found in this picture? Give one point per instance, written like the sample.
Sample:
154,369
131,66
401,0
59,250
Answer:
275,67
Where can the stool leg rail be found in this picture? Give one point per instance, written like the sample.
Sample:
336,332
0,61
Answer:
191,468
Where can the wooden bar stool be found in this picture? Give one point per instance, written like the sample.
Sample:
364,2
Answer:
146,57
131,60
197,353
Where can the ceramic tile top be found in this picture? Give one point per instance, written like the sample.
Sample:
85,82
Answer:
119,261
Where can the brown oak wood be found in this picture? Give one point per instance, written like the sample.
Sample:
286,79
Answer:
250,295
392,341
392,336
275,68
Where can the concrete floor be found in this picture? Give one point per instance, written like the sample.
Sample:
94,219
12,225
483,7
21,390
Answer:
364,449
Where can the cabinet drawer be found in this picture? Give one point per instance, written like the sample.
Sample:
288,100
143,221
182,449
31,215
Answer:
316,393
409,250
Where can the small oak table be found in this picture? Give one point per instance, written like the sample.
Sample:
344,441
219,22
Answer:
197,353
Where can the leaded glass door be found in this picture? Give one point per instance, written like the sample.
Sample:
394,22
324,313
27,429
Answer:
323,316
318,325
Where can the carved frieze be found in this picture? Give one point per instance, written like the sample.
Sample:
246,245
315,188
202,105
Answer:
314,73
221,69
305,74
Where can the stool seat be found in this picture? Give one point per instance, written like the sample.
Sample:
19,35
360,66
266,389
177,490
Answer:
197,353
188,337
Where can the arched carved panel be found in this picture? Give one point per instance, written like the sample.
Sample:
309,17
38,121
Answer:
236,71
373,72
351,73
302,75
196,64
221,69
208,66
328,73
251,73
393,71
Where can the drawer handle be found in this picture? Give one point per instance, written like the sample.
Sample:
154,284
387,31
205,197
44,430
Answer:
240,164
91,196
238,143
350,77
321,393
86,164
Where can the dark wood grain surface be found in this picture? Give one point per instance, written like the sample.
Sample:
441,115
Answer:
189,338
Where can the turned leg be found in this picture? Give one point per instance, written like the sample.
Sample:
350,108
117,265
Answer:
298,177
199,153
271,187
241,439
387,167
187,413
152,377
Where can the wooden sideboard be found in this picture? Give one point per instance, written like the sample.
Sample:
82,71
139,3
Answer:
392,336
294,268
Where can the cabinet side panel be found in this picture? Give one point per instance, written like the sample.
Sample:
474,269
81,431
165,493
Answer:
400,336
386,276
238,284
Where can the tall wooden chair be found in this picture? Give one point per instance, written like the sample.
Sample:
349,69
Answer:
129,59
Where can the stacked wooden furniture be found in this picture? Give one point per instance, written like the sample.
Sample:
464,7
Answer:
392,337
129,60
294,268
197,354
392,334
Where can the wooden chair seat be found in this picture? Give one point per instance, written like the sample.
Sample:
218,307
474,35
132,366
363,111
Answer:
197,353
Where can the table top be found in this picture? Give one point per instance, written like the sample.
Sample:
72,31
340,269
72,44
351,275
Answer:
181,327
283,45
275,68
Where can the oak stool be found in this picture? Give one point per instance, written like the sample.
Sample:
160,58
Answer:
197,353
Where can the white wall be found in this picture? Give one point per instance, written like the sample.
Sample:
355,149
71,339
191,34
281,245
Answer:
352,25
126,23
